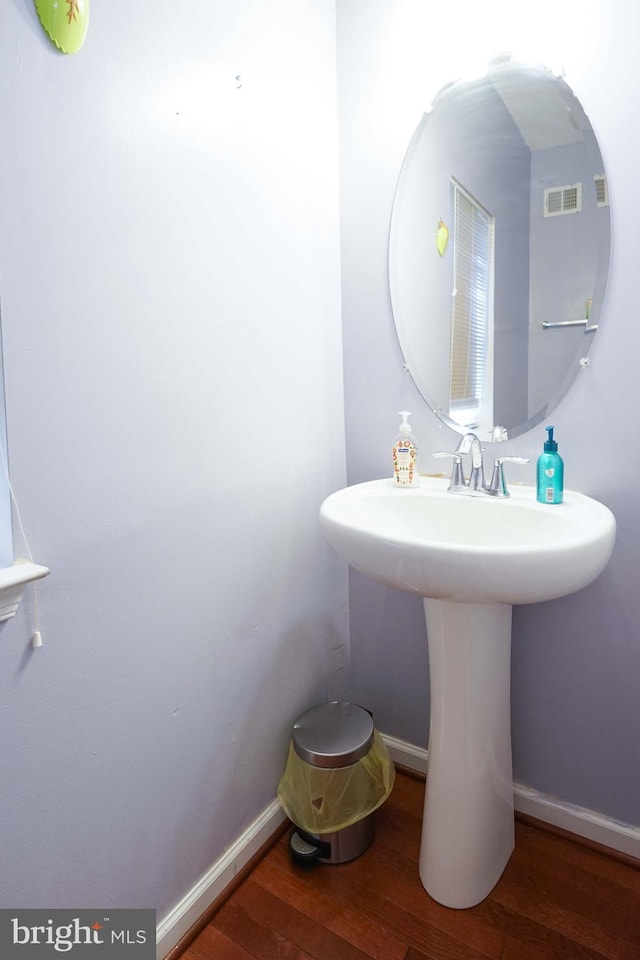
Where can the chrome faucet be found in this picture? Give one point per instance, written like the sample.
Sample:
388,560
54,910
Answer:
470,444
498,485
476,483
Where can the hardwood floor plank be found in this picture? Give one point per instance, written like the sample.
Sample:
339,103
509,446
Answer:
212,944
533,938
403,908
542,845
413,954
311,936
581,880
301,892
401,831
556,900
260,940
581,930
578,892
611,859
517,950
408,794
391,877
485,927
399,821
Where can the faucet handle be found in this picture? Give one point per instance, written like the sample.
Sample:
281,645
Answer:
498,485
457,474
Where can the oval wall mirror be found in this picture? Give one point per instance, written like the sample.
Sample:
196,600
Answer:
499,249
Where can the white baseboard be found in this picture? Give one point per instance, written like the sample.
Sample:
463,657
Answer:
406,754
578,820
622,837
173,927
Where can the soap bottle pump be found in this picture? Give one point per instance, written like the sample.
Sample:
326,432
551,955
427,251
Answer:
550,472
405,455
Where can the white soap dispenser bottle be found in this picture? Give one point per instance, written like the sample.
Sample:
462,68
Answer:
405,455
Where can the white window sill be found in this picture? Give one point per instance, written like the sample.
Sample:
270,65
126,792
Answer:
13,581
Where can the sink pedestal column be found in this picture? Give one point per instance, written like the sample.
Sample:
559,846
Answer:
468,824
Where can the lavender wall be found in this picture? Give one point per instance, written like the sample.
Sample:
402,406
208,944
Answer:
171,321
576,661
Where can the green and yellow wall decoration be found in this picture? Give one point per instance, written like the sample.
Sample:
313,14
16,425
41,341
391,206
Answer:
65,22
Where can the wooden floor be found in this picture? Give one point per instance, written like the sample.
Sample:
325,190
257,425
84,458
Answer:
555,899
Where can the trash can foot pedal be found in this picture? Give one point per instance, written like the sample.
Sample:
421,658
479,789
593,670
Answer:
306,851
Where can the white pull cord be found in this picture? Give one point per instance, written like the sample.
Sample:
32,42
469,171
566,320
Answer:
36,636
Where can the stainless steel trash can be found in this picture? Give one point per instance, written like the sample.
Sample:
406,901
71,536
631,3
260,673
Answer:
338,773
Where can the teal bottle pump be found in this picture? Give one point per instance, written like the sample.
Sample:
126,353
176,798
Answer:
550,472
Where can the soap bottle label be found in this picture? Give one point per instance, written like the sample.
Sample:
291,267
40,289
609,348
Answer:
549,492
550,479
404,463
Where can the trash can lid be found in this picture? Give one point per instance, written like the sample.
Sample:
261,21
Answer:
333,734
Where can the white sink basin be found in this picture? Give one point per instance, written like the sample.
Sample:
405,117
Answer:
471,558
472,549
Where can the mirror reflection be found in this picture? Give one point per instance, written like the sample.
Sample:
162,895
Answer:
499,249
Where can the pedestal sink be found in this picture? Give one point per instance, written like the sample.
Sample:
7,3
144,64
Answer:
470,558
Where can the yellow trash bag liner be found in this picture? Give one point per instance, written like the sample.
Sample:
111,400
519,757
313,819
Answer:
322,800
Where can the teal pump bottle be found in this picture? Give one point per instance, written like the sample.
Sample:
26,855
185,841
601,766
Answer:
550,472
